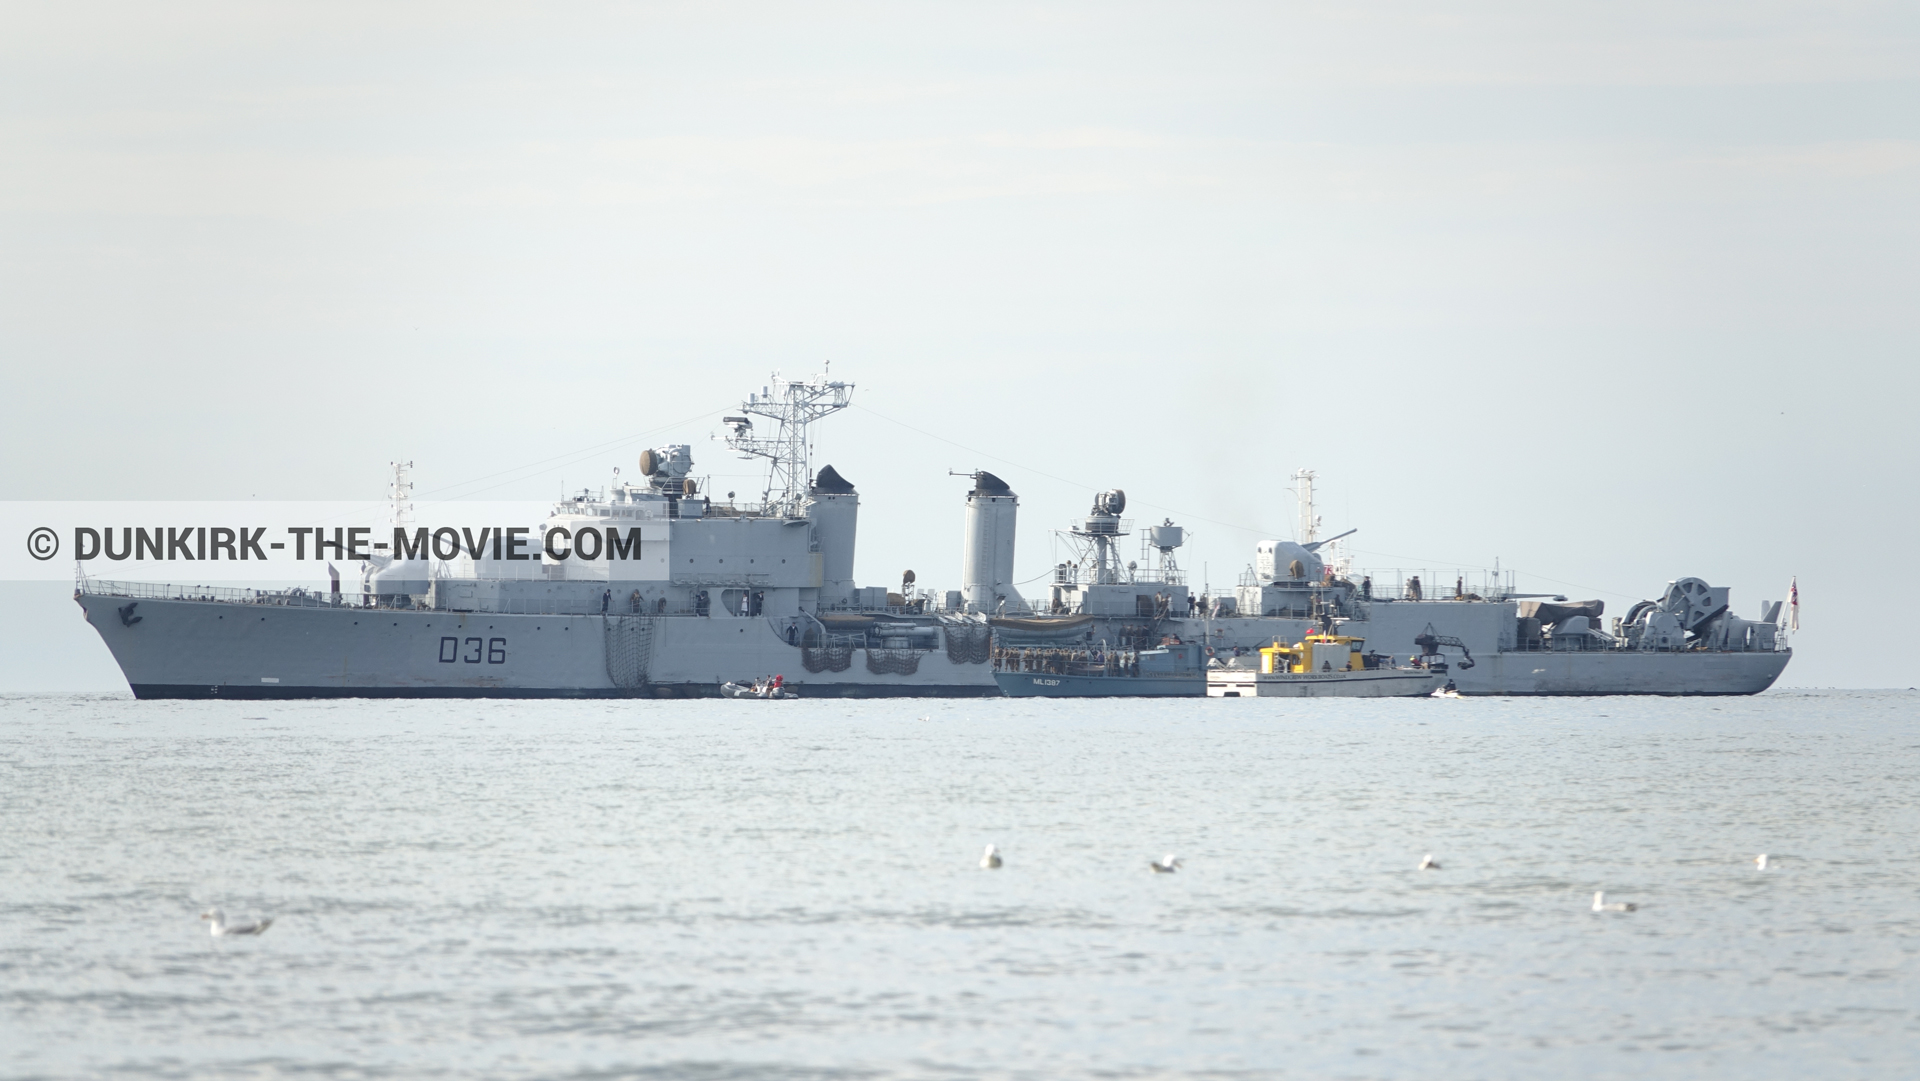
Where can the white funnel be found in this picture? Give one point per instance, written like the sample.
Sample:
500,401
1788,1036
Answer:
986,566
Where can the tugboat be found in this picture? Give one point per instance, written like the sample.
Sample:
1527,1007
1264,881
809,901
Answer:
1172,670
1322,666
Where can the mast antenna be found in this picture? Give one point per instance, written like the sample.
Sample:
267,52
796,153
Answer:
791,404
1309,522
1336,557
400,494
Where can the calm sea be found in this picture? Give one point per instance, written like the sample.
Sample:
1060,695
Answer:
732,890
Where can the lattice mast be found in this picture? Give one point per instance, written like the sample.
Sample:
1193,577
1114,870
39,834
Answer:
1097,538
792,405
1335,557
1309,528
400,494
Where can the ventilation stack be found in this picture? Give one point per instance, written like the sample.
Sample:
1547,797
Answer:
986,566
834,508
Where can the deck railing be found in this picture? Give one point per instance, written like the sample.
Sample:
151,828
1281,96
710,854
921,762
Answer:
302,598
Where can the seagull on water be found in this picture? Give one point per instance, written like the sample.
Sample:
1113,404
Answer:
1760,861
1166,866
990,859
1428,863
1601,904
219,927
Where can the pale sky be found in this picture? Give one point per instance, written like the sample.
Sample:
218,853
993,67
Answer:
1616,292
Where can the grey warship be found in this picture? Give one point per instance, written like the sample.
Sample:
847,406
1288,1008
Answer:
1485,641
692,593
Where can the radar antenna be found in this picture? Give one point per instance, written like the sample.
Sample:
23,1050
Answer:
791,404
1097,538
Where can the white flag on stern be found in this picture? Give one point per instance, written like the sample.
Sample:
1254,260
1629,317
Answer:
1793,604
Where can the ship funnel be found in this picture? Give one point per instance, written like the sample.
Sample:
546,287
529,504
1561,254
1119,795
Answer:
986,483
829,480
986,565
834,508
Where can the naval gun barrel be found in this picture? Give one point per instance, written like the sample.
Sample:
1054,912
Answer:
1314,546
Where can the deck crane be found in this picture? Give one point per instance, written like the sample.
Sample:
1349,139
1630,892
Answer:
1430,644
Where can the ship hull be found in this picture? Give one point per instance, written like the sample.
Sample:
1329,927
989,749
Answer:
1041,685
1375,684
214,649
656,690
211,649
1498,669
1616,672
